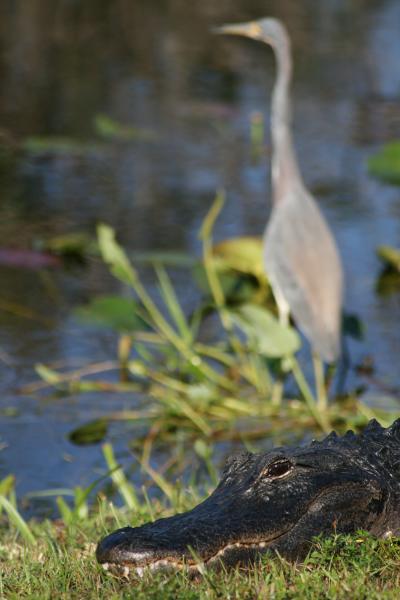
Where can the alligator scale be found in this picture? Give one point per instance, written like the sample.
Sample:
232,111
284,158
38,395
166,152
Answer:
274,502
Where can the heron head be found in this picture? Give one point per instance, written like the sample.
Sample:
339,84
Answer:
268,30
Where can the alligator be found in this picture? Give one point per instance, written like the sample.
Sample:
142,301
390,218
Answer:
273,502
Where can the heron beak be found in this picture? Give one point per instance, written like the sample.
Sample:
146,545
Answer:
250,29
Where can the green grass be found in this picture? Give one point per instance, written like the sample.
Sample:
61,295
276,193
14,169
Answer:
56,559
61,564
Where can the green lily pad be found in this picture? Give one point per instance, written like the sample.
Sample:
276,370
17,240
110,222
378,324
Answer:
239,264
90,433
116,312
388,283
77,244
385,164
243,254
390,257
270,337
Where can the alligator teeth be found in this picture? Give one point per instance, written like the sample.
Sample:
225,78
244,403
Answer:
387,534
125,571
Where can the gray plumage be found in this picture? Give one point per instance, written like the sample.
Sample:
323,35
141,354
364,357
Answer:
301,258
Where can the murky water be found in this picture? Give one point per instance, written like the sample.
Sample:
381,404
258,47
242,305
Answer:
190,96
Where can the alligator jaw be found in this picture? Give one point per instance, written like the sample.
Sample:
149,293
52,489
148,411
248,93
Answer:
233,553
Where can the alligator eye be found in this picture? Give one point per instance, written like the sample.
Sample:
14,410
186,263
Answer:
279,468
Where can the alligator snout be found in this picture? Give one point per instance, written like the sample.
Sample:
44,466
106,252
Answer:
123,546
135,548
131,550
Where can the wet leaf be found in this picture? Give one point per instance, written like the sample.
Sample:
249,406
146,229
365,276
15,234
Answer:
116,312
90,433
385,164
390,257
114,255
269,336
48,375
243,254
7,484
388,283
75,244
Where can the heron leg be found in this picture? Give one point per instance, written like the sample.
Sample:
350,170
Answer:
283,306
320,384
284,311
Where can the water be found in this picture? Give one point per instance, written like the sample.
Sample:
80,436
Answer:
190,95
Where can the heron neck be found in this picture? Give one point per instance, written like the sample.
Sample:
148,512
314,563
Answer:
285,169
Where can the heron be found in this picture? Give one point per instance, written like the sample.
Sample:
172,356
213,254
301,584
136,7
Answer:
300,254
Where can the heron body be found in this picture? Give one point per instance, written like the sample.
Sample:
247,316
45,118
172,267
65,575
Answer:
301,257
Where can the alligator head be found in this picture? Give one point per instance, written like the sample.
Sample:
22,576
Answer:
277,501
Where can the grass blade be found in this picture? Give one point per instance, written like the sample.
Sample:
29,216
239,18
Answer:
172,303
17,520
126,490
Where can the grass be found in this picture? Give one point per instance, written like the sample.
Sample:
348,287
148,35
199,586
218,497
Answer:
56,559
61,564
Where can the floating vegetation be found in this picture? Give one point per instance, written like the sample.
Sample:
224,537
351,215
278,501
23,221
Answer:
116,312
385,164
220,388
390,257
388,281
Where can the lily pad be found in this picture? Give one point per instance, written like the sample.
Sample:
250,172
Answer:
270,337
90,433
116,312
76,244
390,257
388,283
385,164
243,254
239,264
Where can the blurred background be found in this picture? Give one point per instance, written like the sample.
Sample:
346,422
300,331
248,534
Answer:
185,103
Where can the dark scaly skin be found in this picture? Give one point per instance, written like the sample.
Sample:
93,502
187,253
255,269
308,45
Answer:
277,501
